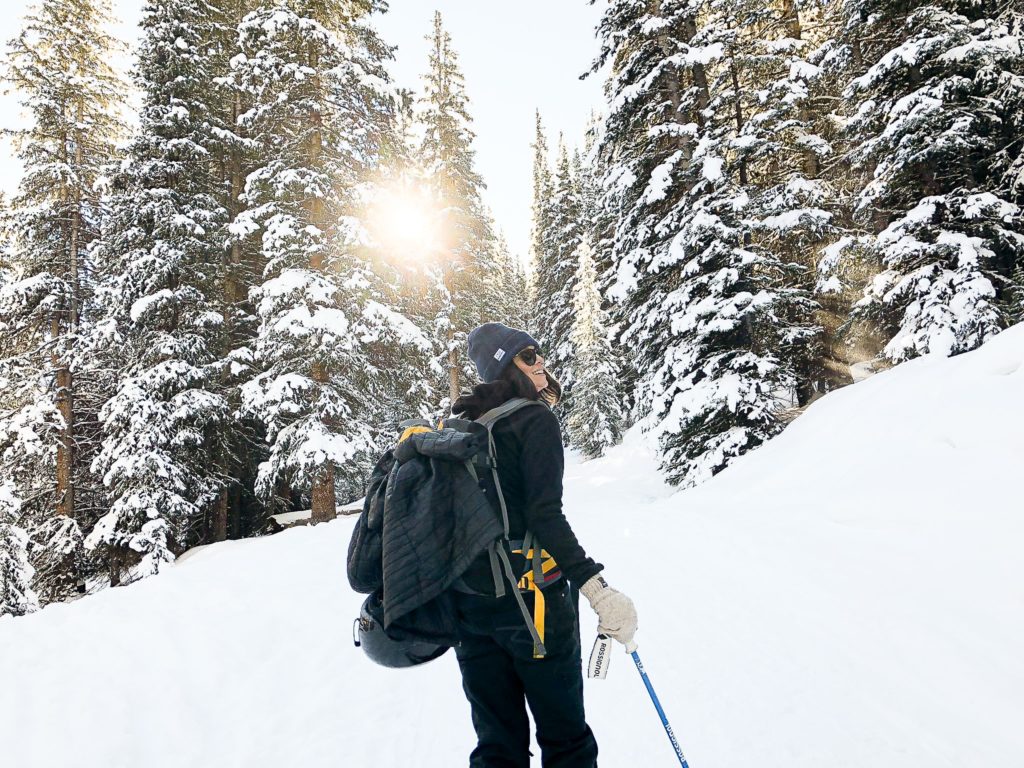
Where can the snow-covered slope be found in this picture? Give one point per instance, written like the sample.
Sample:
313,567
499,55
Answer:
851,594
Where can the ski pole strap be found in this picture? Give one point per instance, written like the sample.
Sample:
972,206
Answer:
661,712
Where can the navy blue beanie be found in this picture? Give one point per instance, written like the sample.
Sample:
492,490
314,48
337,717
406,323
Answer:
493,345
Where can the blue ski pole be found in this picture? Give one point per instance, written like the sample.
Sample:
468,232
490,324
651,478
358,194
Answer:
657,706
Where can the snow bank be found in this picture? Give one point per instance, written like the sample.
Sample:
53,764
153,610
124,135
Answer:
848,595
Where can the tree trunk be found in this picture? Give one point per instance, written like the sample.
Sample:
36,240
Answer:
219,530
453,367
66,445
234,285
324,503
738,113
235,513
673,82
453,353
794,29
64,379
700,76
234,294
114,565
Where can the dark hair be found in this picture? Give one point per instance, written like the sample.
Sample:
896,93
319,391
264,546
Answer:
551,394
512,383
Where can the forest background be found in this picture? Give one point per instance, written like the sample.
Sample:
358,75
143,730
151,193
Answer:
213,316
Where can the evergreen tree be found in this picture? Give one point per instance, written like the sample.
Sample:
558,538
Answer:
599,211
161,332
402,235
933,103
59,63
597,221
1016,295
16,572
705,310
320,104
781,149
556,274
233,155
400,222
596,421
467,259
509,288
540,229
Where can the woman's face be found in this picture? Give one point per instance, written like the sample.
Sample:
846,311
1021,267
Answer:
535,372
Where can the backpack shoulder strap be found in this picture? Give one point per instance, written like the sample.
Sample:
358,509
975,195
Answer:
507,408
497,552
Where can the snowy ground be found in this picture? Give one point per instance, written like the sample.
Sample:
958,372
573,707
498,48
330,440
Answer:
851,594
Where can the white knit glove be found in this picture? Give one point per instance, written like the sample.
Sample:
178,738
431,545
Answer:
616,615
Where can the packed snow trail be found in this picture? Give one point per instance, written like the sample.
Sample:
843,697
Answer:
850,594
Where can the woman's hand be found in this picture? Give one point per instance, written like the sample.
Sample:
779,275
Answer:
616,615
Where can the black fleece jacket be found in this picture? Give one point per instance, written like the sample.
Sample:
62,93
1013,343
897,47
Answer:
531,461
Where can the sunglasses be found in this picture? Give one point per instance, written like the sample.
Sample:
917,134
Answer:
530,355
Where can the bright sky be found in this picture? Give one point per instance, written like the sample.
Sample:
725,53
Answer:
516,57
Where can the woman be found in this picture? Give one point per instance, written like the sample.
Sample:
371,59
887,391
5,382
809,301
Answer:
500,673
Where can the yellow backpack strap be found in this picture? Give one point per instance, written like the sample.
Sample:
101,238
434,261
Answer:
541,563
538,616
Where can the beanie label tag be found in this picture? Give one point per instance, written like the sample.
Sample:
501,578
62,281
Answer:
499,354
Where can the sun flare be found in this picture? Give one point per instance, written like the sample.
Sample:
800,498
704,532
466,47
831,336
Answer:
405,222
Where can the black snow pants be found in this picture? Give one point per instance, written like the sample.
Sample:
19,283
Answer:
501,677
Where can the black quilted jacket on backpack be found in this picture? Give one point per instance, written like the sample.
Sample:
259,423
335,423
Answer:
423,523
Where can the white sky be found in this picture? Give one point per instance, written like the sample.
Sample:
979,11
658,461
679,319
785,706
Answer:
516,57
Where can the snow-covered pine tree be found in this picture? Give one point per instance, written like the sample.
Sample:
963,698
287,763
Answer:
509,287
160,264
1011,97
843,267
320,103
1015,310
16,572
647,129
401,232
232,156
447,156
781,150
403,262
599,212
556,274
401,355
597,221
704,307
60,65
935,135
540,224
597,420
